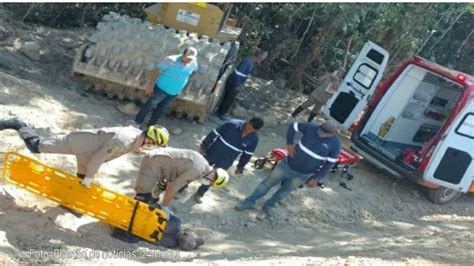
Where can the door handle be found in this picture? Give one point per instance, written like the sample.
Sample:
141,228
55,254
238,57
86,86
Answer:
349,84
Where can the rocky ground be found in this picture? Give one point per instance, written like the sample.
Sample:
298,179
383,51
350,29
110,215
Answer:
381,221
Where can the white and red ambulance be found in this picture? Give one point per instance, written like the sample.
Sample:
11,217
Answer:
418,124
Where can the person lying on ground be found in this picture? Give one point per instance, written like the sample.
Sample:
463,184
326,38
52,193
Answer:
174,236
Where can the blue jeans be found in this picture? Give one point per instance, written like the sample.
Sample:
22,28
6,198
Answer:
282,173
159,100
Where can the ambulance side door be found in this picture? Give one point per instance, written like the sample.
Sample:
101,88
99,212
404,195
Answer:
358,85
452,164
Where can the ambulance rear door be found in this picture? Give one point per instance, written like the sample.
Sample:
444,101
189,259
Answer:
451,164
358,85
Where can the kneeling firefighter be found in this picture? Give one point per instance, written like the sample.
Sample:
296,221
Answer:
168,170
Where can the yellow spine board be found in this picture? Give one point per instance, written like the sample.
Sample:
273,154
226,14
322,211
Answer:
106,205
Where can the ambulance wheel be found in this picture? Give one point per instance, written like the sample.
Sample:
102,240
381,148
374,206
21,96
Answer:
442,195
259,163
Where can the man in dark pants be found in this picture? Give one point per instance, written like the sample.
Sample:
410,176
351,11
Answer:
222,146
308,161
166,83
236,80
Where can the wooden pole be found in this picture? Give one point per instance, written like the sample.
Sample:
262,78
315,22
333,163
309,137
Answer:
32,5
349,42
464,43
447,30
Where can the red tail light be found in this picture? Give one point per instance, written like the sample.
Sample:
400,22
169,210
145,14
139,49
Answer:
461,77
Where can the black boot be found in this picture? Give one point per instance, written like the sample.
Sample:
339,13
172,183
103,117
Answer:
31,139
32,144
297,111
311,116
200,193
144,197
13,123
197,198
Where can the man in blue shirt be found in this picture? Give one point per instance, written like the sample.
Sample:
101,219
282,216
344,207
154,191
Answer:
308,161
222,146
236,80
166,83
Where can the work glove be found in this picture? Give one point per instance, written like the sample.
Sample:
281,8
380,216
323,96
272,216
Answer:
87,181
168,212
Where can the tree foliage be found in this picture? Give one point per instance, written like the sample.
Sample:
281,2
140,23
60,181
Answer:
442,32
71,15
307,39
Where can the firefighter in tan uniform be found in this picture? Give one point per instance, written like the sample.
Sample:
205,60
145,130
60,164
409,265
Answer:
169,169
328,86
92,148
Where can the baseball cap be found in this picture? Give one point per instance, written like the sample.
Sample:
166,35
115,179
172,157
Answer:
191,52
329,127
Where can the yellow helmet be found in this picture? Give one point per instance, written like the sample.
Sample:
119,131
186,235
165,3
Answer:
159,134
222,178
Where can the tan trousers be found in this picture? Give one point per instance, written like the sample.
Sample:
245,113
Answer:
312,101
81,144
318,99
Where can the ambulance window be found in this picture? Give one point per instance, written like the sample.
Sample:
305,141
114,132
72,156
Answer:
375,56
365,76
466,127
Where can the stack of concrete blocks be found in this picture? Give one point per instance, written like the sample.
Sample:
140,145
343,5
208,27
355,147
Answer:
123,52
